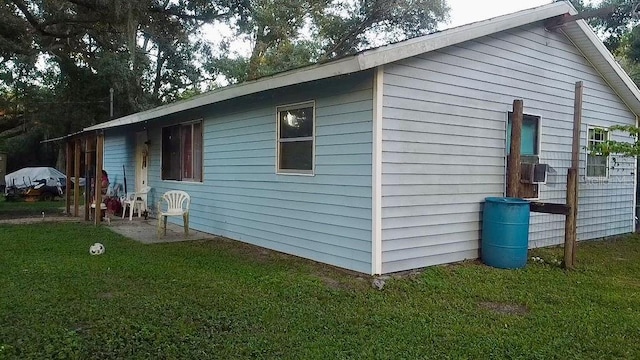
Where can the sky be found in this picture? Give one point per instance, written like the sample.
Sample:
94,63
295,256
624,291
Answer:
467,11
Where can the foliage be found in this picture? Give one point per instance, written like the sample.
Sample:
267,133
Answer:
336,29
628,148
60,58
222,299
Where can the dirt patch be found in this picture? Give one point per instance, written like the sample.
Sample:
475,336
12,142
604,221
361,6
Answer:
503,308
106,295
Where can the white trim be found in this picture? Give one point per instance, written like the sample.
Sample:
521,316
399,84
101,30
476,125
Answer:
315,72
376,172
586,154
312,138
423,44
635,186
603,61
363,61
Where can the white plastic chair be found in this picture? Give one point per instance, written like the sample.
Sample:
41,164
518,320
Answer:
136,201
177,203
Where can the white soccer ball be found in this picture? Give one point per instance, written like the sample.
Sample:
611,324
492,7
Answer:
96,249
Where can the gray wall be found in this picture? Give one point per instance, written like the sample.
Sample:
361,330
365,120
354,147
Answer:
444,143
326,217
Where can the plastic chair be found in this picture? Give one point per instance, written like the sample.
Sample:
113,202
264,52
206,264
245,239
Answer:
135,201
177,203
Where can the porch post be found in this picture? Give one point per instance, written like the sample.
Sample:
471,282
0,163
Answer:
76,173
87,165
98,177
67,185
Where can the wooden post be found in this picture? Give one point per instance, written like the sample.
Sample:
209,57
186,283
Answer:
76,174
570,226
513,161
87,164
67,185
98,181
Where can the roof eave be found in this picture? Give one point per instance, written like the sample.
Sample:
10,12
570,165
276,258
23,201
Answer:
424,44
583,37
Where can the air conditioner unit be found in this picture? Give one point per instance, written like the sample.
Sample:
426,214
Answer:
533,173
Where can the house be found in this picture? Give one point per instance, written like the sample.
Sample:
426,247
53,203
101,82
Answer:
380,162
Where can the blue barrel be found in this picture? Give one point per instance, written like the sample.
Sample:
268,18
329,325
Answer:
505,232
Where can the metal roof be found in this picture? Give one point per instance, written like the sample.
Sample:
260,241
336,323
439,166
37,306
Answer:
577,31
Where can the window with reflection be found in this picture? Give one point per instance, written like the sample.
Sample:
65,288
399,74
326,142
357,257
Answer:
182,152
296,138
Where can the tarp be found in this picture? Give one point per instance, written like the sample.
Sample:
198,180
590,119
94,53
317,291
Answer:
30,176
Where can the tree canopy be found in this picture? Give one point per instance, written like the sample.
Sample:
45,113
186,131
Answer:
60,58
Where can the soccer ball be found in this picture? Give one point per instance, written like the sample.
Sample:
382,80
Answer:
96,249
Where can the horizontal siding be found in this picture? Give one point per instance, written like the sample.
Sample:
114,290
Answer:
326,217
444,141
119,151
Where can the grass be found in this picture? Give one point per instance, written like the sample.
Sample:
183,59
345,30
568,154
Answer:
18,209
222,299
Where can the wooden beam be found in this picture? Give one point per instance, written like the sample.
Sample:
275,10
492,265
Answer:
67,185
513,161
98,177
549,208
87,172
76,174
577,124
570,226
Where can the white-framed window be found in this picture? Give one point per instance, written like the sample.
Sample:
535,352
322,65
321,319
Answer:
597,164
182,152
296,138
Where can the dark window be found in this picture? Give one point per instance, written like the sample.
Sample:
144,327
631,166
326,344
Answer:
182,152
295,138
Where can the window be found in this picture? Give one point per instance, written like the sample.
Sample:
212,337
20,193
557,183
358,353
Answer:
530,137
597,165
182,152
296,138
529,152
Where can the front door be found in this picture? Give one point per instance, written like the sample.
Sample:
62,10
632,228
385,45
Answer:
142,160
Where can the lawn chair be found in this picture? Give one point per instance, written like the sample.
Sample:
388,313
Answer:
177,203
135,201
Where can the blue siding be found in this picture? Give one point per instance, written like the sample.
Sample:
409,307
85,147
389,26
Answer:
326,217
119,150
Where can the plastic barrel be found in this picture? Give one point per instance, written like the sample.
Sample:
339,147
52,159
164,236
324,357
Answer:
505,232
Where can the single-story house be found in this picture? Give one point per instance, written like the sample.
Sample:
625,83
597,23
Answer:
380,162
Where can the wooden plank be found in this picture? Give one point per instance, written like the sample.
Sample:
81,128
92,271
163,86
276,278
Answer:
570,222
513,161
549,208
98,178
87,171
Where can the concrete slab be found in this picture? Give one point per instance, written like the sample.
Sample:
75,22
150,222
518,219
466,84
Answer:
145,231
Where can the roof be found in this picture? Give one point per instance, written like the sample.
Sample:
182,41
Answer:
577,31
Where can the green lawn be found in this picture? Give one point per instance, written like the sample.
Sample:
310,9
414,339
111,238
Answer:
221,299
17,209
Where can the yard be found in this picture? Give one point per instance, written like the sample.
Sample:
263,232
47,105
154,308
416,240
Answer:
223,299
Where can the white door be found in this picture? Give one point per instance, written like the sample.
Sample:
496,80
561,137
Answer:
142,160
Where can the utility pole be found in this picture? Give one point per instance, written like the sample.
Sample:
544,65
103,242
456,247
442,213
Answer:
111,103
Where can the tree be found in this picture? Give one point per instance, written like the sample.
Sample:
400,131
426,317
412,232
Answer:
291,33
74,51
